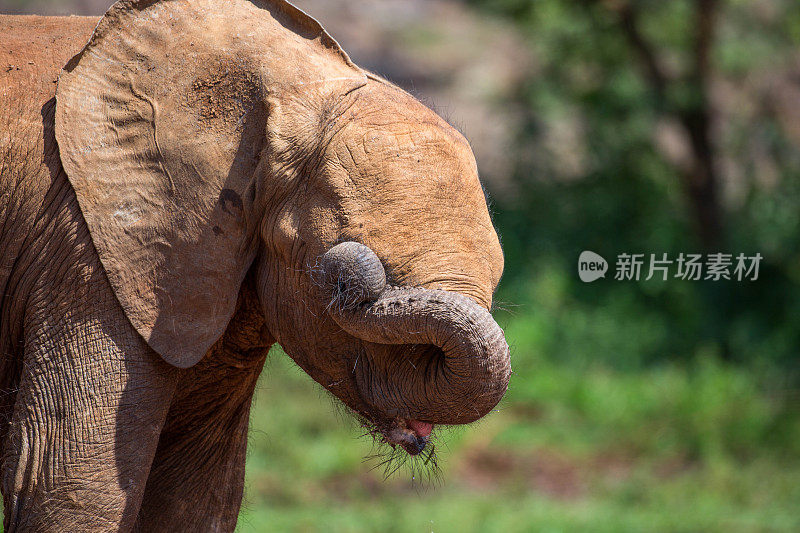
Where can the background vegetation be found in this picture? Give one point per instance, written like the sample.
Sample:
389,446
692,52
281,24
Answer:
616,126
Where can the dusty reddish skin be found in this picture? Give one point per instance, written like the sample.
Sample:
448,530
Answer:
101,432
187,425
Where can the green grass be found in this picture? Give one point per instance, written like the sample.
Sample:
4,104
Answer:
690,448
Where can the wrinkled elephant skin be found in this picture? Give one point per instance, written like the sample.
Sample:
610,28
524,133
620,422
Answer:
199,181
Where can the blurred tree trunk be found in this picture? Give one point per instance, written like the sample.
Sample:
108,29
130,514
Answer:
701,177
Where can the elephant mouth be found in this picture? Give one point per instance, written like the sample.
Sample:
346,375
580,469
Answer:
428,355
411,435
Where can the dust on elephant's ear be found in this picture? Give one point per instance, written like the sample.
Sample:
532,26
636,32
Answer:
160,122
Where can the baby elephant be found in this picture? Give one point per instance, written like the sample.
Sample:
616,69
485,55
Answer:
204,179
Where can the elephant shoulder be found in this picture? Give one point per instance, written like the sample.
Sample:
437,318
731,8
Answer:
32,52
24,180
35,48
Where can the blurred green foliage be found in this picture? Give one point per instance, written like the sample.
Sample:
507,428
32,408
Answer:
627,195
695,447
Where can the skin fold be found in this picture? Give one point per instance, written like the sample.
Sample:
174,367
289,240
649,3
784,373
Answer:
193,185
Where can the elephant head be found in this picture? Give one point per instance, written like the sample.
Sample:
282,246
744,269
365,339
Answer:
206,139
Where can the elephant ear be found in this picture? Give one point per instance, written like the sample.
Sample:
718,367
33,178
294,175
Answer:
161,122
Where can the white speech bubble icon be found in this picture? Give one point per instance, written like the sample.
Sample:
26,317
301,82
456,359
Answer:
591,266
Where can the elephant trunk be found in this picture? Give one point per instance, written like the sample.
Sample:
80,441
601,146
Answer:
433,355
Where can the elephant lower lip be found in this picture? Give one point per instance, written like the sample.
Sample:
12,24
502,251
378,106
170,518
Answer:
412,435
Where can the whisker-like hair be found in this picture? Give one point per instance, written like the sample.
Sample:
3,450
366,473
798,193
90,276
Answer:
423,469
508,307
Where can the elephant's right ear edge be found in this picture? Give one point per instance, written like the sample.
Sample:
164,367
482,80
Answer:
154,176
312,25
166,214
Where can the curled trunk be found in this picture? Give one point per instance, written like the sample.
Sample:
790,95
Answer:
431,355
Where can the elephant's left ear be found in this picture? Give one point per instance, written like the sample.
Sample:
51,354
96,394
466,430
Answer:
161,122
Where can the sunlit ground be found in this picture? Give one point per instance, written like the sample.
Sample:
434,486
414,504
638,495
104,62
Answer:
668,449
